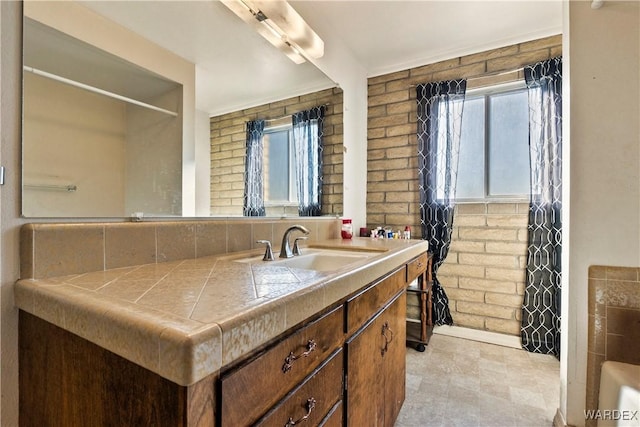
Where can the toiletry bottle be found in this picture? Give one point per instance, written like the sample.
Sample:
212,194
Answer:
347,229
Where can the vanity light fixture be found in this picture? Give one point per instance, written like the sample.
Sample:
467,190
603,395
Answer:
281,25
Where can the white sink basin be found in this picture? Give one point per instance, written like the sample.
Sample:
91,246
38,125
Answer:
316,259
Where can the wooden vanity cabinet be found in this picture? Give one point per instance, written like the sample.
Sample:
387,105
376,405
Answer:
345,366
372,380
375,367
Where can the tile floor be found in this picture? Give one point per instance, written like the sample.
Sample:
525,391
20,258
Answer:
458,382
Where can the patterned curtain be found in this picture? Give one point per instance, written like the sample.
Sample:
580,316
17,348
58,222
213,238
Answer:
540,329
253,189
440,107
307,141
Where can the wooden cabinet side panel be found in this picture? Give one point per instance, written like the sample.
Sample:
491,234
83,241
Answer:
201,403
417,266
65,380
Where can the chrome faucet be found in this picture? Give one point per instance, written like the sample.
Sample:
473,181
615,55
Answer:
285,248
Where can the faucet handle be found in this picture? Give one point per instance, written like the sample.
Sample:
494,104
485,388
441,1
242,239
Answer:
296,247
268,253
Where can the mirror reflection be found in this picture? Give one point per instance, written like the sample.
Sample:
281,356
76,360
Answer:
102,137
150,148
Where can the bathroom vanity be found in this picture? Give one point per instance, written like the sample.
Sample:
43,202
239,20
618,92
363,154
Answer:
222,340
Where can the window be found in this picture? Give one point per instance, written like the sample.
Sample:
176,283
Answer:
494,146
279,179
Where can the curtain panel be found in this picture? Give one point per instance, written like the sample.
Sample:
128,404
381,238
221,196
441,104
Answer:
540,331
253,204
307,141
440,107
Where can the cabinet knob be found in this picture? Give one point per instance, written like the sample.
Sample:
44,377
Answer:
311,404
288,361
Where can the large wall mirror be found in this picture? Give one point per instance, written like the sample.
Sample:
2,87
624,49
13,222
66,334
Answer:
119,96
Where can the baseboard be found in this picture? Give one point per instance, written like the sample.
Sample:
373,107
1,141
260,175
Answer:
478,335
558,420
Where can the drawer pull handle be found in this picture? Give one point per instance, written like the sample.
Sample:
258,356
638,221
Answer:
288,361
387,338
311,404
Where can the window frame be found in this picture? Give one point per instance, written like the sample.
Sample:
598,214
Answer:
485,91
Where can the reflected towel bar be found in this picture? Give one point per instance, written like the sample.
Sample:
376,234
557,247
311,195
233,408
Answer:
68,188
97,90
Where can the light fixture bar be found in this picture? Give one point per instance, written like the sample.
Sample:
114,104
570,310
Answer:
281,25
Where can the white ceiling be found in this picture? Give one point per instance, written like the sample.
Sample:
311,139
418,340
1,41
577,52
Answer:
236,68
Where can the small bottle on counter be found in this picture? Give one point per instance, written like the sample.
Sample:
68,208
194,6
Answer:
407,233
347,229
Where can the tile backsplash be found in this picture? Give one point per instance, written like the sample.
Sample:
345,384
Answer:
50,250
614,323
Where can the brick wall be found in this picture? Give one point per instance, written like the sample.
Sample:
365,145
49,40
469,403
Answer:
484,272
228,152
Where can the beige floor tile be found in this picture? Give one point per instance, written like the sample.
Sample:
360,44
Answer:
458,382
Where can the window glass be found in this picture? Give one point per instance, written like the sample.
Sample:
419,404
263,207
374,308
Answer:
509,144
470,184
494,146
277,166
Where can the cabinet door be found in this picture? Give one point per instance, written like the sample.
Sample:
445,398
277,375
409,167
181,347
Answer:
376,368
394,360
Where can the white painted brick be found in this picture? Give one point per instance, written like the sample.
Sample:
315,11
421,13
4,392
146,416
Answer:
469,221
488,260
489,234
516,275
482,309
503,326
519,221
462,270
515,248
523,235
501,208
471,209
465,246
467,320
465,295
507,300
504,287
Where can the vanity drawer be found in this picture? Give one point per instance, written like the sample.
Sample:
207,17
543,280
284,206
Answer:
335,417
250,390
416,266
314,399
363,306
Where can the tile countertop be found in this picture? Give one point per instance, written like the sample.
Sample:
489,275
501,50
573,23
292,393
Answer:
185,320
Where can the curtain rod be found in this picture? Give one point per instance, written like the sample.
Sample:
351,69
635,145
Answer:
97,90
487,75
287,116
